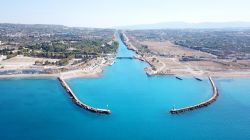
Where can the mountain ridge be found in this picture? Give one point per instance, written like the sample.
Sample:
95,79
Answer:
186,25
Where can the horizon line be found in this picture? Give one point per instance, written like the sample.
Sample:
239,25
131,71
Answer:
128,25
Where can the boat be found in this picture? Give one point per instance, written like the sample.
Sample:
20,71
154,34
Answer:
198,79
178,78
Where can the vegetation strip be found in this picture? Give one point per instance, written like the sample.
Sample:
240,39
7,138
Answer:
78,102
200,105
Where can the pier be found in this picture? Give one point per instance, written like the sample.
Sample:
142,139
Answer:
200,105
78,102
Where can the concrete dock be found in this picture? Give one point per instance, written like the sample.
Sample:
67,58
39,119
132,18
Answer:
78,102
200,105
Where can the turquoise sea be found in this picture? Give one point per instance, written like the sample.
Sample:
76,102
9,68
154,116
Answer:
40,109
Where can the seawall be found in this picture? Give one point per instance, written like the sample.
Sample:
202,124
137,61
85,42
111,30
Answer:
202,104
78,102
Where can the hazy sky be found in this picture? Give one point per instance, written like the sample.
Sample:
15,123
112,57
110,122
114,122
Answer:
108,13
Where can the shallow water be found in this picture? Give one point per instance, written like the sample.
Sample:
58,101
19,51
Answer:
41,109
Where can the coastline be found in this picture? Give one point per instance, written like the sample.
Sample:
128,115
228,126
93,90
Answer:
154,70
98,75
95,68
220,74
65,75
92,69
24,76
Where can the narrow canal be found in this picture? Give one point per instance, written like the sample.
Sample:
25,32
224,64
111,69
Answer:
40,108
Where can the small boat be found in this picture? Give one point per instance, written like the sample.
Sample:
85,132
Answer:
198,79
178,78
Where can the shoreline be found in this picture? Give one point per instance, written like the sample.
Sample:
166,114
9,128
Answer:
98,75
75,75
151,70
92,69
98,72
229,76
27,76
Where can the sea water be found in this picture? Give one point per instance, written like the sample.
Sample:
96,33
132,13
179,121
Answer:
41,109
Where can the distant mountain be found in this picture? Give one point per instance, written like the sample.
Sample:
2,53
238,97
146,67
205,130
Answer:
184,25
48,26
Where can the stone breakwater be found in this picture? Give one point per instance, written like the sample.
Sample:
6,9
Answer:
200,105
78,102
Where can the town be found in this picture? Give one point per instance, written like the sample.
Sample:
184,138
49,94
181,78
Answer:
52,49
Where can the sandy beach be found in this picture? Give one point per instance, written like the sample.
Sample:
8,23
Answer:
90,69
